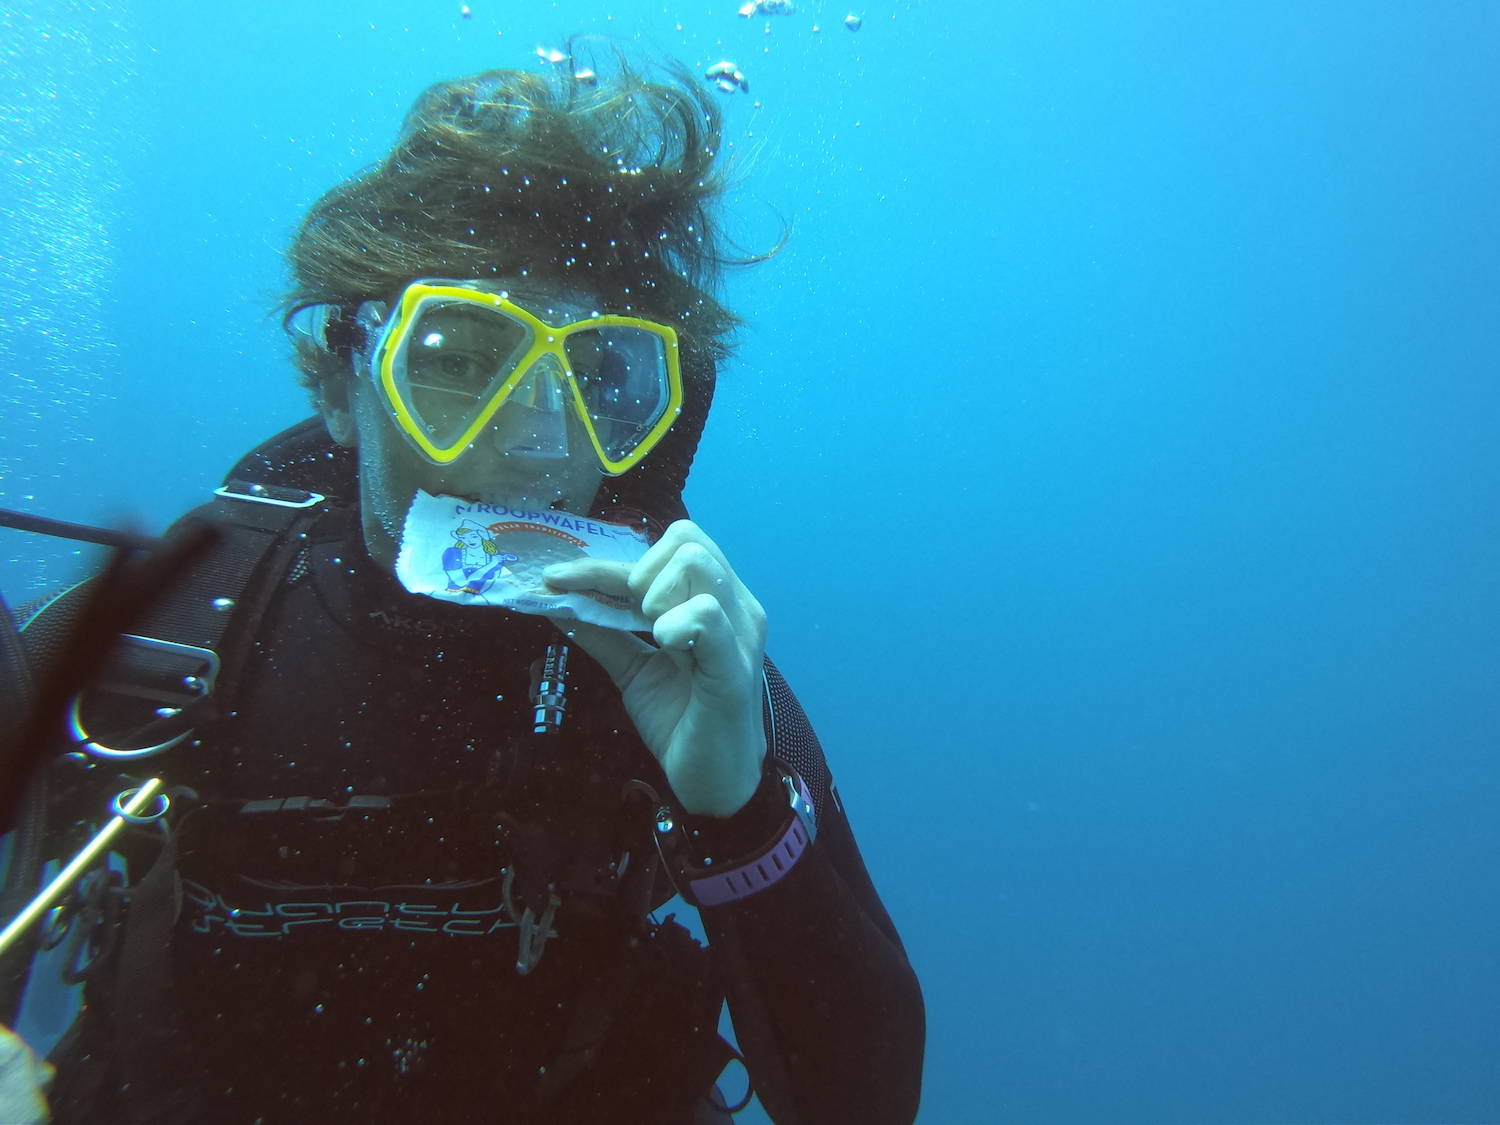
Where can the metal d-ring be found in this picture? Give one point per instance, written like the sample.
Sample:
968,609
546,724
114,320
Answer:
200,668
82,737
122,802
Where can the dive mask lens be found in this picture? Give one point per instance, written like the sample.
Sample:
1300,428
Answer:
621,375
451,361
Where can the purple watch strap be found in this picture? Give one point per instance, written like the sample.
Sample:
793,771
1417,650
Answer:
768,866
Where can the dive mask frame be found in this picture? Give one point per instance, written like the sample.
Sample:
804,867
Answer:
386,333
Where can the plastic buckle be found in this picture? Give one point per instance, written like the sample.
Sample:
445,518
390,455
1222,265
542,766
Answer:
167,672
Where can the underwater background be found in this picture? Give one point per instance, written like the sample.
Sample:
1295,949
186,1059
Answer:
1113,447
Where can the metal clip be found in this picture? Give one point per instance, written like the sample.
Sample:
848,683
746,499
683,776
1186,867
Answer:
799,798
532,933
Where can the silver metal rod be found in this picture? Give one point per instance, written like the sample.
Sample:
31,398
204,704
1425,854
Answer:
78,865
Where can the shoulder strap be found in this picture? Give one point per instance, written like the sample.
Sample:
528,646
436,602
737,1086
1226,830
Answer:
189,650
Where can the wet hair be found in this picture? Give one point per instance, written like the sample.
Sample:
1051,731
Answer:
598,177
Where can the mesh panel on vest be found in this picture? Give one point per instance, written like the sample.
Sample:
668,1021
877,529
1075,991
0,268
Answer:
45,632
794,741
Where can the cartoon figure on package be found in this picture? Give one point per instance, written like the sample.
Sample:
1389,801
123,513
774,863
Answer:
475,559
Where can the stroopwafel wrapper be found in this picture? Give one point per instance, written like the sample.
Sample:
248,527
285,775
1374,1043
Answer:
493,554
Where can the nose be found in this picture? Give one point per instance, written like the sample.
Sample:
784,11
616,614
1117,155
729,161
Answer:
534,420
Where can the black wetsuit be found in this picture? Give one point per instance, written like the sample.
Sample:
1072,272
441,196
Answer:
343,950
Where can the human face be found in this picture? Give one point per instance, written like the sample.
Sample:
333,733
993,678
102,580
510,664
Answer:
497,465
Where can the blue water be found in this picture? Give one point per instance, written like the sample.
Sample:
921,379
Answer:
1113,448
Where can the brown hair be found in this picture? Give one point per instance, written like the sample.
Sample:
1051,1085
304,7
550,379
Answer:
608,181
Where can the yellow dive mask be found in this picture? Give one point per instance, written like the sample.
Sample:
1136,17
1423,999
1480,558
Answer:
450,356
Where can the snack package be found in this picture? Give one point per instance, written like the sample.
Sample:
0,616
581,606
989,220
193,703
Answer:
494,554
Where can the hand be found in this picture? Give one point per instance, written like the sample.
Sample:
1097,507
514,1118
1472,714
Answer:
694,696
24,1079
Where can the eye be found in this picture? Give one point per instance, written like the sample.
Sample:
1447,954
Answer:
456,366
448,368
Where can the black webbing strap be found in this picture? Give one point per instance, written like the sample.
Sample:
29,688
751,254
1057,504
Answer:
211,615
259,540
678,1014
155,1087
595,1011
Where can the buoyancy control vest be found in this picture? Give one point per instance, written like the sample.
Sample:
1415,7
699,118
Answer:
371,833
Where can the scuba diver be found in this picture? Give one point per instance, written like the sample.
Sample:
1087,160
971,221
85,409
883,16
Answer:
389,857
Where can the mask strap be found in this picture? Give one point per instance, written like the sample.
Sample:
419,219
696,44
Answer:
344,334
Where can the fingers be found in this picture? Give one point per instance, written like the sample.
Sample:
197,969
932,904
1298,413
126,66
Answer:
678,533
683,565
701,628
695,694
689,571
686,564
590,574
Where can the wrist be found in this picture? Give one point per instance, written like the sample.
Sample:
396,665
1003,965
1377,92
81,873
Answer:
718,788
735,857
742,830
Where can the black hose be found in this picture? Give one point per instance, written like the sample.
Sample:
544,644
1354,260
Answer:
17,690
82,532
23,872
